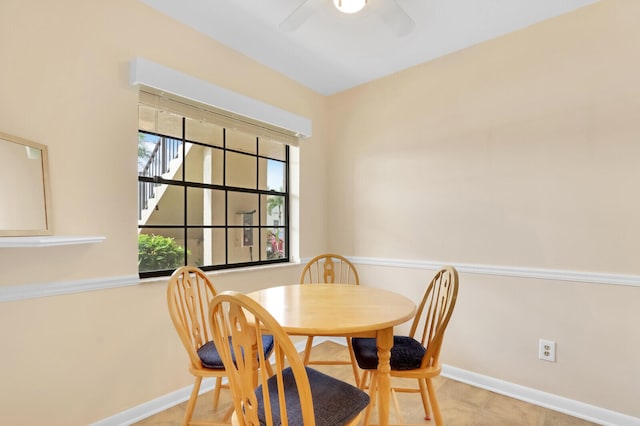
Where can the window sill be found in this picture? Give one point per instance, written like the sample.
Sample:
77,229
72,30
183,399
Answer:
47,241
253,268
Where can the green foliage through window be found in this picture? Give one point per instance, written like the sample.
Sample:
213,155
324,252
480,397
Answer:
156,252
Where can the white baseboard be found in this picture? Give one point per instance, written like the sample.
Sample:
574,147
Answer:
568,406
142,411
564,405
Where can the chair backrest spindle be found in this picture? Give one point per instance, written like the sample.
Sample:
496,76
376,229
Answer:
286,397
329,269
246,371
188,296
434,313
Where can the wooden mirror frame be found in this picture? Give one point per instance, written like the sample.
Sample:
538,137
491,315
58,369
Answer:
43,225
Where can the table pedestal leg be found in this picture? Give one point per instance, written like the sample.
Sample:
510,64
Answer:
384,342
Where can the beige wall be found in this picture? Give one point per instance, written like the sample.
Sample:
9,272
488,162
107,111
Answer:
520,152
514,152
64,83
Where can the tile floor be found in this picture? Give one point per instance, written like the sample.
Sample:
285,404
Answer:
461,404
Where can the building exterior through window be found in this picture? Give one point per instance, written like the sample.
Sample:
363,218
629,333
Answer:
210,194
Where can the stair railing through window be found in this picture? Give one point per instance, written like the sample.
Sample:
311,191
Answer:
158,163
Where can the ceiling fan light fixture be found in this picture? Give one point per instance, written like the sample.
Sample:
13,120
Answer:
349,6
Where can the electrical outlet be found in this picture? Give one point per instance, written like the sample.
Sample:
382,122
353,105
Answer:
547,350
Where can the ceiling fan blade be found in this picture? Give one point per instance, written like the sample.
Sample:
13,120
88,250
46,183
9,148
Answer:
397,19
298,17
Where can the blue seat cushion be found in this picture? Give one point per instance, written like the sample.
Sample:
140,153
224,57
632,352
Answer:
210,357
406,353
334,401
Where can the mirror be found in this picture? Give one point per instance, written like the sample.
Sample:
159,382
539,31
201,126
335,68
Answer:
24,187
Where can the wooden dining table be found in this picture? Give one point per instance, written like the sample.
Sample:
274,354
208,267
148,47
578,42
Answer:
342,310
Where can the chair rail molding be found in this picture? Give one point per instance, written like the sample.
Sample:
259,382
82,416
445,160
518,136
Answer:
507,271
30,291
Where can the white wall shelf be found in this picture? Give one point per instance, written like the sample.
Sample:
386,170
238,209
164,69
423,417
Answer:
47,241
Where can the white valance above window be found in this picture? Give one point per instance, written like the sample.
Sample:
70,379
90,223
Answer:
168,90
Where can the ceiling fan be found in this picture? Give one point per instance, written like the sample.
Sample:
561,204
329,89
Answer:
390,11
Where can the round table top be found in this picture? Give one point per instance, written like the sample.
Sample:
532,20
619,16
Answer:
334,309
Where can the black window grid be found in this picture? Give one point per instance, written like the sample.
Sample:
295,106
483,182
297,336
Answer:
185,184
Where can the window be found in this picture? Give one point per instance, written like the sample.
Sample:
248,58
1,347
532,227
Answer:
212,193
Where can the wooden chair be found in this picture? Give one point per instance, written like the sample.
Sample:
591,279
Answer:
189,293
417,355
328,269
295,394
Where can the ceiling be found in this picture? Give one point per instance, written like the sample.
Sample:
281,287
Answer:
330,51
